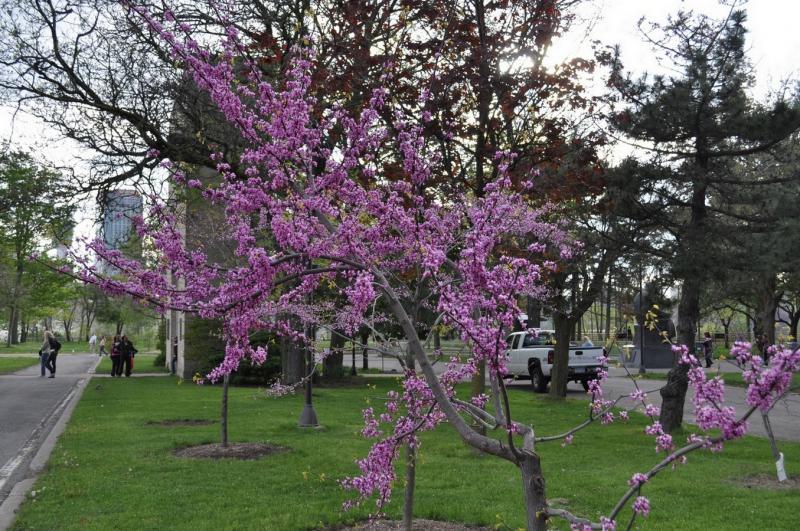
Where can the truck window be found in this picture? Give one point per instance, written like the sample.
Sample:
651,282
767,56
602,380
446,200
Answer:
531,340
510,342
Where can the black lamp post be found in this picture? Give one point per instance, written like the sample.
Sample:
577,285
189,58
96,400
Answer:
308,417
353,365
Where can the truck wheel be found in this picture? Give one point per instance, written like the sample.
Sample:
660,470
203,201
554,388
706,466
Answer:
538,380
585,384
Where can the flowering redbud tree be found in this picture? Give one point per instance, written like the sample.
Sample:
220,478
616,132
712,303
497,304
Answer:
306,212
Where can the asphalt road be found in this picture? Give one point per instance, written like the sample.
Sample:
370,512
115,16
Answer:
784,418
31,405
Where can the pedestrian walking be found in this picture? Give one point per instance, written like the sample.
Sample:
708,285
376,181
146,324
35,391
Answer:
116,357
708,349
128,353
50,347
92,343
102,347
44,353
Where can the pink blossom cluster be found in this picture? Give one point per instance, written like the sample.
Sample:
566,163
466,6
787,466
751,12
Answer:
641,506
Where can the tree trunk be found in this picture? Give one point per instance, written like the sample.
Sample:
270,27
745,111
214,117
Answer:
120,326
25,327
609,294
67,329
726,327
84,337
793,325
564,327
673,394
333,365
223,421
573,302
411,464
13,326
411,480
478,388
13,320
768,301
534,493
534,308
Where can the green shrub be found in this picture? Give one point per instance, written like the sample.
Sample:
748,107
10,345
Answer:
205,350
160,360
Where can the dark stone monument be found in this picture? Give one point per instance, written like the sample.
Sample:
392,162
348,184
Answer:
657,352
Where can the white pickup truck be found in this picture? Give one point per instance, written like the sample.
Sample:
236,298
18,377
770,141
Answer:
530,355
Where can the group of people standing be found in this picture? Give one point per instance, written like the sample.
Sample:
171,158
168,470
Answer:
122,354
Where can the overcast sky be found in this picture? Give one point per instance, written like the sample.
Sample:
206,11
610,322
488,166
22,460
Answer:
773,42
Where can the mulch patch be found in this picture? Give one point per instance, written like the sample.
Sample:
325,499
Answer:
419,525
181,422
769,481
232,451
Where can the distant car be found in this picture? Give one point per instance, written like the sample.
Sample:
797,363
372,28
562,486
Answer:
531,356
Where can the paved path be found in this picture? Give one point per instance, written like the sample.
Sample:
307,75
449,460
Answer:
31,405
785,417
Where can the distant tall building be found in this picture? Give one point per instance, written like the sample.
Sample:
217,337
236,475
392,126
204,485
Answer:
119,209
62,240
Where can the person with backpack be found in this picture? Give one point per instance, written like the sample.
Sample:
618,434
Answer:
116,357
44,352
128,352
50,348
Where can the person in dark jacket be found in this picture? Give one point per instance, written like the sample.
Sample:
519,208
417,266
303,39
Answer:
116,357
128,352
708,349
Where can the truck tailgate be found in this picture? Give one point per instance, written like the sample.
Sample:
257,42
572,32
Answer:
585,356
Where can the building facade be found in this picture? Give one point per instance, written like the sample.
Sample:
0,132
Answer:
119,208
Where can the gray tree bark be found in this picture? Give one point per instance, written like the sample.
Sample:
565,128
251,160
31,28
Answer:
564,326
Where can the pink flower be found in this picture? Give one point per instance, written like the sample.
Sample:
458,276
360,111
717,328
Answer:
637,480
641,506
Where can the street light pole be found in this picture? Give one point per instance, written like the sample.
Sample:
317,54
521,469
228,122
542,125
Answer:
353,366
308,417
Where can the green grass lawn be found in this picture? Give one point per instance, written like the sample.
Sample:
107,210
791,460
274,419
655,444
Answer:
733,379
32,347
67,347
9,365
142,363
113,470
